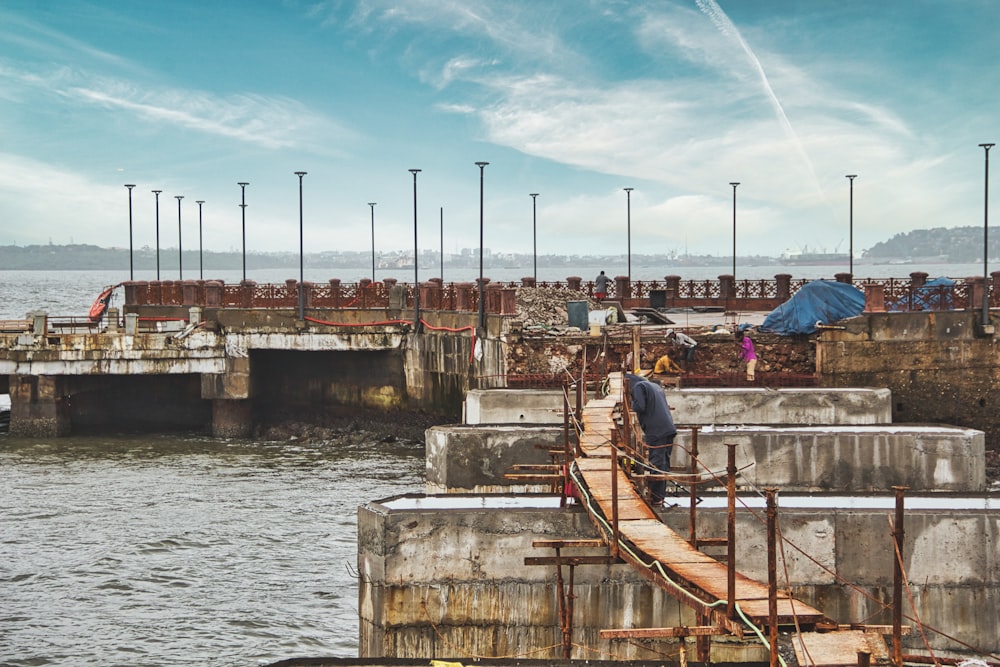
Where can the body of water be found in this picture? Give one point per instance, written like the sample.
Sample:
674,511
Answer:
185,551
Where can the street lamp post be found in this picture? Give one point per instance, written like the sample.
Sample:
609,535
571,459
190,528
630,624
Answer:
371,205
243,205
734,234
180,246
986,236
628,230
850,229
441,237
416,259
482,299
157,193
302,293
534,238
201,248
131,269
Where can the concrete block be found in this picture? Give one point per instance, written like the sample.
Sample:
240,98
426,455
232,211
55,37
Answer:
514,406
845,458
781,406
464,459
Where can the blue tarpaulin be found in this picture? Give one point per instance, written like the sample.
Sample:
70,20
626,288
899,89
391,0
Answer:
818,301
936,294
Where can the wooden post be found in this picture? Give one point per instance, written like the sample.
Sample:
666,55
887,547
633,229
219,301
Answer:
731,532
897,579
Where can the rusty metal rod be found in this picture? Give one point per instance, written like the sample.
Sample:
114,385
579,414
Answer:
731,531
772,573
692,510
897,579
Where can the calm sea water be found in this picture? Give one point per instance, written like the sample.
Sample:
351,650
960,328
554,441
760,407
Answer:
185,551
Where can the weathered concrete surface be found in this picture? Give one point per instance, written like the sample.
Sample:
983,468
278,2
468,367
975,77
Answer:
938,365
514,406
780,406
453,583
447,583
852,459
466,459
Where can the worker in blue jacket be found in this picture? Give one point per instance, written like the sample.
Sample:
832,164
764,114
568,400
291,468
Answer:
658,430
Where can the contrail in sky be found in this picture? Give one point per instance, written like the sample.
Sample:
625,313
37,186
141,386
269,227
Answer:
714,12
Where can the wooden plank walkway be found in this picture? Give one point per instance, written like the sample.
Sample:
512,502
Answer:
695,578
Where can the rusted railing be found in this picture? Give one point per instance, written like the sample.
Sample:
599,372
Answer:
893,294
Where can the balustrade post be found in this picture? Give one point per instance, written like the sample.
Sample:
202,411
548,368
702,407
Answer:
528,281
727,287
575,283
430,295
975,287
213,294
247,289
995,289
189,292
623,288
918,279
844,277
783,286
874,298
672,286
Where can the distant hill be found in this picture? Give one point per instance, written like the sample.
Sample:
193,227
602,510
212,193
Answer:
956,245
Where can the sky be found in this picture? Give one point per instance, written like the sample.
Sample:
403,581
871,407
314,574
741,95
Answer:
574,100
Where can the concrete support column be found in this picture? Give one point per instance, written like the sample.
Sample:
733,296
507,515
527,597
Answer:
39,406
232,418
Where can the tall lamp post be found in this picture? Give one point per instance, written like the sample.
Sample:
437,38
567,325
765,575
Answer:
628,230
180,246
131,271
534,238
482,299
201,247
734,233
243,206
416,259
441,237
371,205
157,193
302,293
850,228
986,236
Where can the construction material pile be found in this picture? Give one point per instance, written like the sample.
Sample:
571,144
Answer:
545,307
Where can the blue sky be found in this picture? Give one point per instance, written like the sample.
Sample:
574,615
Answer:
571,99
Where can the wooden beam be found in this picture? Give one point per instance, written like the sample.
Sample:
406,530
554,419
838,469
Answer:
653,633
564,544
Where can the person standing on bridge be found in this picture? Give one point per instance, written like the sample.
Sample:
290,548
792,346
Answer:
650,404
601,286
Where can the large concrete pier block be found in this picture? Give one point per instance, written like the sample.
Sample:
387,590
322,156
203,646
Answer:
514,406
39,406
781,406
466,459
852,459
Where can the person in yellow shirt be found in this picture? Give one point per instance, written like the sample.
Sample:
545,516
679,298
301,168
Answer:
667,366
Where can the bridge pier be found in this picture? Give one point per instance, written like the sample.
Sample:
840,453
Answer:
39,406
232,418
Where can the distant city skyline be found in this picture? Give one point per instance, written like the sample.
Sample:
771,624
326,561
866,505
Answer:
573,101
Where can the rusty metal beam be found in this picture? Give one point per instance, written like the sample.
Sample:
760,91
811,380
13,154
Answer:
570,560
562,544
654,633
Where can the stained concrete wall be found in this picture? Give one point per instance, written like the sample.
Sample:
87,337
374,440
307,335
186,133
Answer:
453,583
781,406
939,366
465,459
439,584
514,406
850,459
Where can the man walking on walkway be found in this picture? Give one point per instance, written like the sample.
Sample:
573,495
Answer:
650,404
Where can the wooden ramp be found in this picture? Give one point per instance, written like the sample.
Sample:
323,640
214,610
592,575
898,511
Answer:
695,578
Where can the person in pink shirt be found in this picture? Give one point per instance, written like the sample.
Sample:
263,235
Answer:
747,353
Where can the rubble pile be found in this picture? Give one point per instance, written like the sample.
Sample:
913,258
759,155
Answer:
546,307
